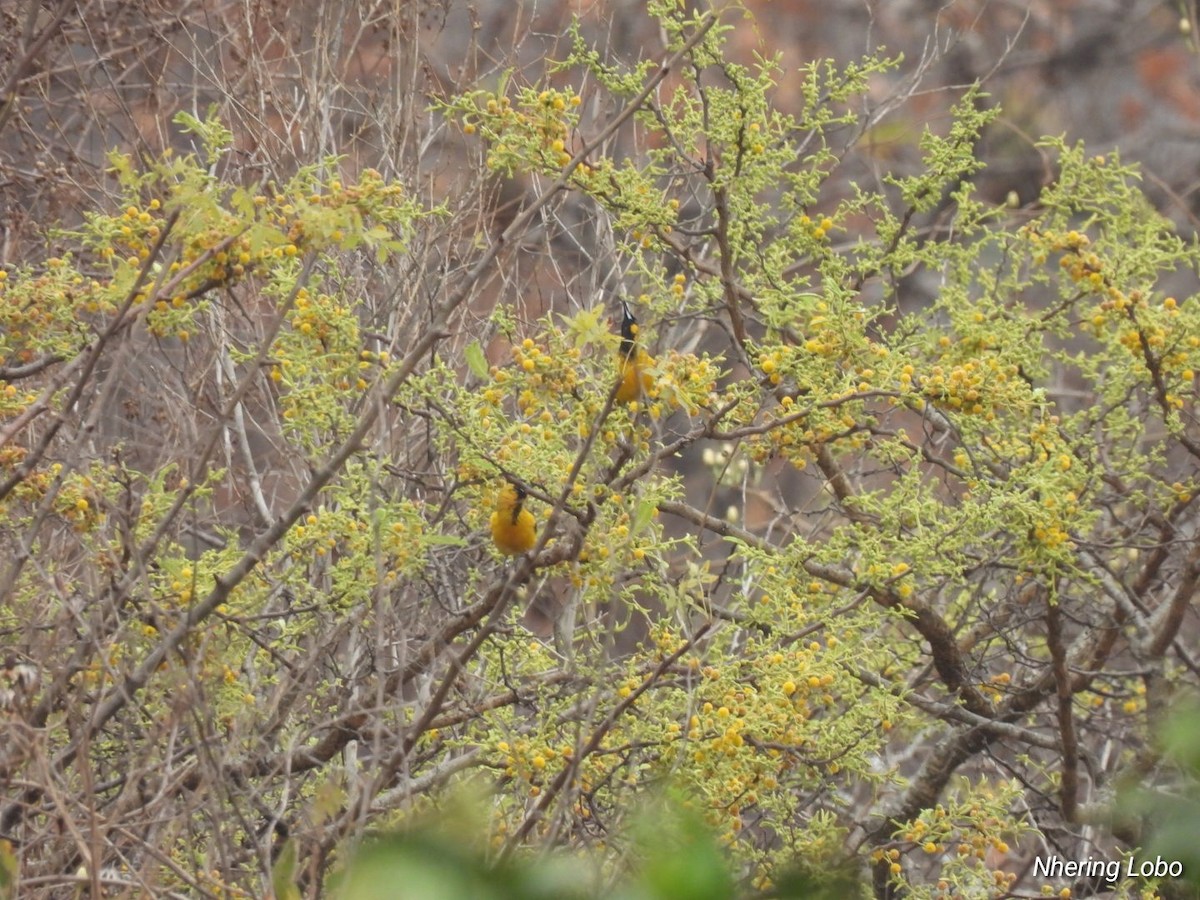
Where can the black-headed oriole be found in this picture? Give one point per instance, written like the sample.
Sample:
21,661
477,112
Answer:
631,360
514,529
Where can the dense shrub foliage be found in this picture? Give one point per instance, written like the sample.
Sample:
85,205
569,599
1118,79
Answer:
888,570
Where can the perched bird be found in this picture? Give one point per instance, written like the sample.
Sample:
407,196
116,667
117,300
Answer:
513,526
631,360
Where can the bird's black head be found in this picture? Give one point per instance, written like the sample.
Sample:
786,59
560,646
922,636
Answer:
628,330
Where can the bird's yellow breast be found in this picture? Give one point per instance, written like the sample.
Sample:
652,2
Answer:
513,526
635,381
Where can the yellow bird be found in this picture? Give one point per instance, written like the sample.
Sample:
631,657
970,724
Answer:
630,360
513,526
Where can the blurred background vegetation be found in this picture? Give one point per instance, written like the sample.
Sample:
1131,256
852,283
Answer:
239,640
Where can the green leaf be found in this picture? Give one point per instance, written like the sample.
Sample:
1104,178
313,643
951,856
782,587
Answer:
681,858
8,871
283,873
1180,736
476,360
643,515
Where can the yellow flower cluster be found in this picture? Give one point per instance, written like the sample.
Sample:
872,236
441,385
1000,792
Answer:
817,230
541,120
974,386
548,374
531,762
